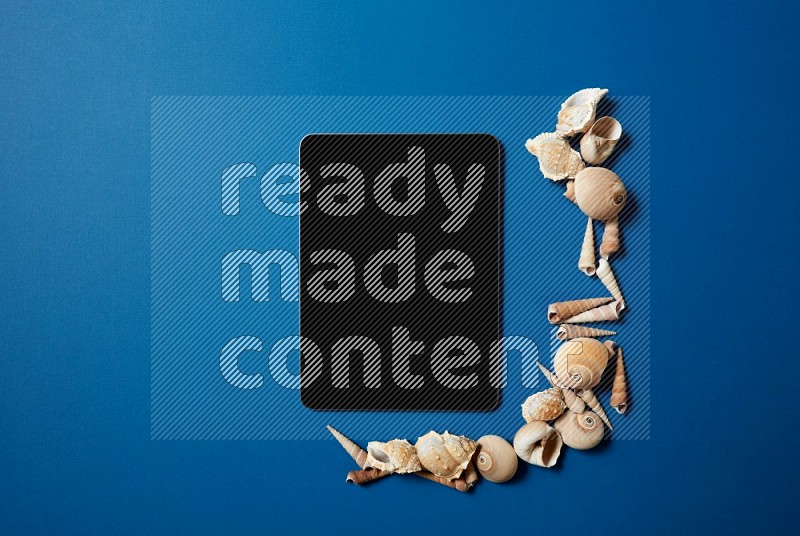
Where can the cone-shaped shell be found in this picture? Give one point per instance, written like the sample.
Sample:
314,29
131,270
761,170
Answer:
358,454
599,193
550,376
579,363
594,404
496,459
580,431
365,476
557,160
578,111
573,401
569,193
445,455
396,456
459,484
610,242
586,260
619,391
599,141
571,331
607,277
558,312
604,313
538,443
544,406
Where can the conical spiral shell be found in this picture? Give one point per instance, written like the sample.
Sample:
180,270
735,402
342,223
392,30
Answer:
445,455
599,193
594,404
607,277
550,376
571,331
604,313
557,160
396,456
538,443
458,484
358,454
544,406
579,363
599,141
573,401
586,262
578,111
619,391
580,431
558,312
610,243
365,476
496,459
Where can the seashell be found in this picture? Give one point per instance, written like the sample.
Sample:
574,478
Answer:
544,406
580,363
604,313
538,443
600,139
607,277
357,453
599,193
586,260
459,484
396,456
365,476
580,431
445,455
557,160
578,111
470,475
558,312
570,331
594,404
570,191
610,243
496,459
550,376
573,401
619,391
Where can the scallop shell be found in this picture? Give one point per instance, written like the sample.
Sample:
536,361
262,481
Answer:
365,476
580,431
587,259
496,459
594,404
559,311
358,454
557,160
573,401
570,331
600,140
445,455
604,313
569,193
579,363
538,443
578,111
607,277
619,391
610,242
599,193
544,406
396,456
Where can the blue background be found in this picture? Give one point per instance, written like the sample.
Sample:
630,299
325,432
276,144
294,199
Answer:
75,376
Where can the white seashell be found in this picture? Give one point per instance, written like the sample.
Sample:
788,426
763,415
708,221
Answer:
607,312
445,455
573,401
607,277
396,456
598,143
599,193
594,404
570,331
579,363
578,111
580,431
557,160
587,259
538,443
496,459
544,406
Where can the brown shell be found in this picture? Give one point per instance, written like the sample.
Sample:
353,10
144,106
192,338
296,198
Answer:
619,391
571,331
599,193
609,311
579,363
560,311
580,431
610,242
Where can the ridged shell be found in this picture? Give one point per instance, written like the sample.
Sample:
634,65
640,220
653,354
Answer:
579,363
586,262
544,406
600,140
445,455
588,396
604,313
578,111
396,456
570,331
619,391
607,277
538,443
557,160
496,460
573,401
599,193
558,312
580,431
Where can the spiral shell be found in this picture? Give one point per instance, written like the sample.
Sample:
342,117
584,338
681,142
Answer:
544,406
599,142
586,261
580,363
619,391
538,443
396,456
570,331
496,460
445,455
561,311
557,160
580,431
599,193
